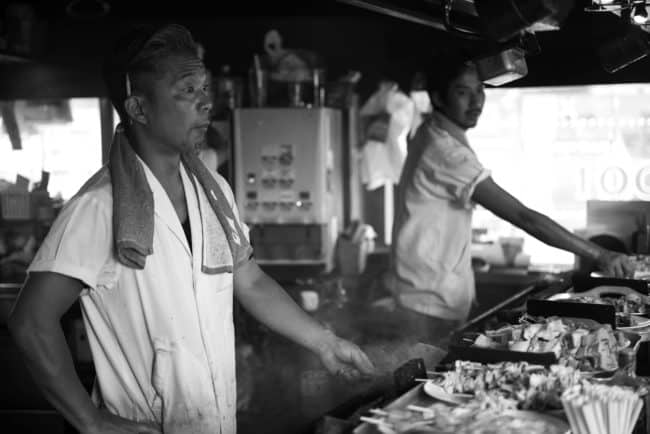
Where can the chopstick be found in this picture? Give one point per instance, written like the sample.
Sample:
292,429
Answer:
378,411
374,421
427,413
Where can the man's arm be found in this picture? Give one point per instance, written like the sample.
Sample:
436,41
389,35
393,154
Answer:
35,326
263,298
494,198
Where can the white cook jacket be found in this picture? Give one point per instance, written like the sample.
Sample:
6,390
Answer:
162,338
431,262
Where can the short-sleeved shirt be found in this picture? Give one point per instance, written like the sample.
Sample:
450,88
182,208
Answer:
162,338
431,262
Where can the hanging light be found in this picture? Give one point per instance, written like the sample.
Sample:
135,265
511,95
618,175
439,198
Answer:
640,13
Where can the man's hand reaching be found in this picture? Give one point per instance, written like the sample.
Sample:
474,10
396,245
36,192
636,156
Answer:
342,357
615,264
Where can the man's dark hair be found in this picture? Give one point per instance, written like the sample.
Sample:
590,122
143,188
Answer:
445,68
141,51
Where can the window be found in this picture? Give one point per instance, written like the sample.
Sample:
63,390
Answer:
62,137
555,148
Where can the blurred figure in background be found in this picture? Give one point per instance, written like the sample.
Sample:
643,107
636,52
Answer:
441,183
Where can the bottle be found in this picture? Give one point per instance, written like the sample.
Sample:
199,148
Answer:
318,76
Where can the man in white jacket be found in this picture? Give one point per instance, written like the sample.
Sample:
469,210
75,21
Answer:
162,335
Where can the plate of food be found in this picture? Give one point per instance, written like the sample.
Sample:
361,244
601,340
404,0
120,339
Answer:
505,385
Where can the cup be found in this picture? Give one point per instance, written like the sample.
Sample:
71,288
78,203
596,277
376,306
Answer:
511,247
296,94
318,81
309,300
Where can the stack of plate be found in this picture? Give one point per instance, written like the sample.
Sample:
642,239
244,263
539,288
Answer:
601,409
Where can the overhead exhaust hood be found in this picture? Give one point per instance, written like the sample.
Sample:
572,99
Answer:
493,19
633,42
506,25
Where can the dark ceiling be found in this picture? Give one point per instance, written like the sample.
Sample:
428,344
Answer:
347,37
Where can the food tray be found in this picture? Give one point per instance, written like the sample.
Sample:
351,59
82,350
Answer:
611,290
601,313
560,305
582,283
460,348
459,351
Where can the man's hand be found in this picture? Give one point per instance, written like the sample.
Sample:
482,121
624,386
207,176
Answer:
344,358
615,264
107,423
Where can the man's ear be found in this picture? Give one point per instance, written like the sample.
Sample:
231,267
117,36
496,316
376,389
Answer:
134,108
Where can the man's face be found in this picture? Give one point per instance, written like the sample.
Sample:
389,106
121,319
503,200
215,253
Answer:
178,103
464,101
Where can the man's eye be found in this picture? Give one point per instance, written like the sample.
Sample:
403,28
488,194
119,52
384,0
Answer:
206,88
190,89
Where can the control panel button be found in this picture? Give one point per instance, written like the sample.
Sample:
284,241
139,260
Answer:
286,159
286,182
269,182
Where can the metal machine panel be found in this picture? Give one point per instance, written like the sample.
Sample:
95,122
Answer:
285,164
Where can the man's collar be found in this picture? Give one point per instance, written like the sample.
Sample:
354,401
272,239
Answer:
448,125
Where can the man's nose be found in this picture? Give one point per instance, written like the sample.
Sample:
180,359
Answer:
476,101
205,104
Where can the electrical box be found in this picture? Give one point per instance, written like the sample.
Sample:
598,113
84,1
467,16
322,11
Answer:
288,182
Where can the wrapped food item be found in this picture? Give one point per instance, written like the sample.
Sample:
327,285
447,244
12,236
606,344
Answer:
484,342
522,346
532,330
